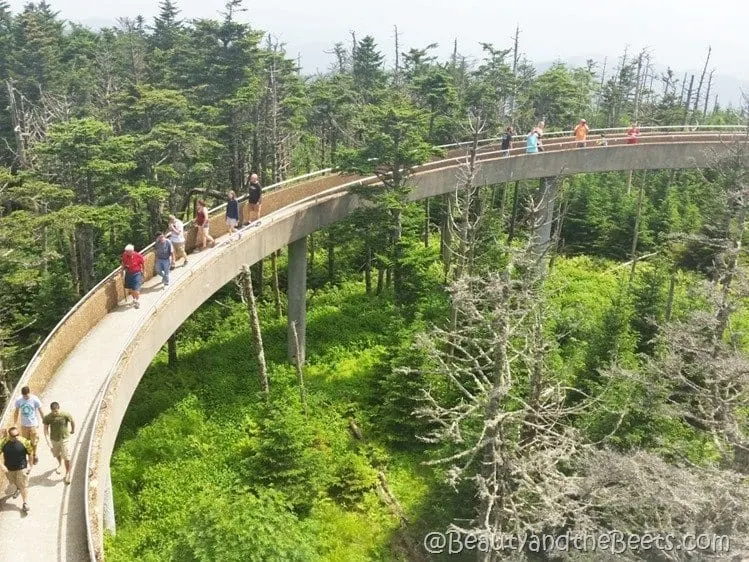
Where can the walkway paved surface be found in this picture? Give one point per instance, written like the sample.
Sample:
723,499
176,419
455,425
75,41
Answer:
57,509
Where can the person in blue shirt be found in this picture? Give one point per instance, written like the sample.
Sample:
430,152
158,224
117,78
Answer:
532,143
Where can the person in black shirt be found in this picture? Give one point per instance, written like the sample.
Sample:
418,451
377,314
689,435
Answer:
18,460
254,199
232,213
507,140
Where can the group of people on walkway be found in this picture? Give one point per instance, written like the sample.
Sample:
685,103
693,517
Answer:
534,145
20,447
169,246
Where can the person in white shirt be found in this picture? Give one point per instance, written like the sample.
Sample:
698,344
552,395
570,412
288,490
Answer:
177,238
27,406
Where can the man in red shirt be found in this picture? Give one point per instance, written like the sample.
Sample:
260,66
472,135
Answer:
133,264
633,133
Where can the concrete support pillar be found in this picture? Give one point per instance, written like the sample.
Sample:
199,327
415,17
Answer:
108,509
545,204
297,297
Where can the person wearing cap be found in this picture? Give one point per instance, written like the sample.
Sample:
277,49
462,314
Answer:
18,459
133,265
581,133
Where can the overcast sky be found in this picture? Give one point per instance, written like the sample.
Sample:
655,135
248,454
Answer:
678,32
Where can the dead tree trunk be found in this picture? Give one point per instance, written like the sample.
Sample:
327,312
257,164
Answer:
330,247
707,94
276,288
685,120
702,80
299,368
670,299
248,297
636,234
311,247
426,222
446,237
514,215
260,274
368,269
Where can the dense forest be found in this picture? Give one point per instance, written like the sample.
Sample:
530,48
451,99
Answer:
456,377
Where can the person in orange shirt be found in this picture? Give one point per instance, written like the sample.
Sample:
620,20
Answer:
581,133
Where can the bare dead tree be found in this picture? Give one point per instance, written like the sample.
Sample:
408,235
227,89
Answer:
244,281
276,288
638,492
636,232
508,425
707,94
465,217
703,369
31,121
702,80
299,368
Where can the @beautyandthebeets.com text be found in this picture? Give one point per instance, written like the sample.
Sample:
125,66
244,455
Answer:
612,542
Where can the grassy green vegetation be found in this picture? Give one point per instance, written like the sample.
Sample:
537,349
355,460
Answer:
205,469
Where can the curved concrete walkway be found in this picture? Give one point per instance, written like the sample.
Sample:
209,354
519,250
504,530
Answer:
126,339
54,528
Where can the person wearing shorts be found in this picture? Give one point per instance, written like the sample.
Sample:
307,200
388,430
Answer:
232,213
27,406
133,264
203,224
177,238
17,460
58,436
581,133
254,199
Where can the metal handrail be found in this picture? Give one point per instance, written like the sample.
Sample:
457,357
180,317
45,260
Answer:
648,129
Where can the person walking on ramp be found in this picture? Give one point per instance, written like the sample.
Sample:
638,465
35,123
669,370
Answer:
203,223
177,238
18,460
254,199
56,430
232,214
27,406
581,133
164,257
134,266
